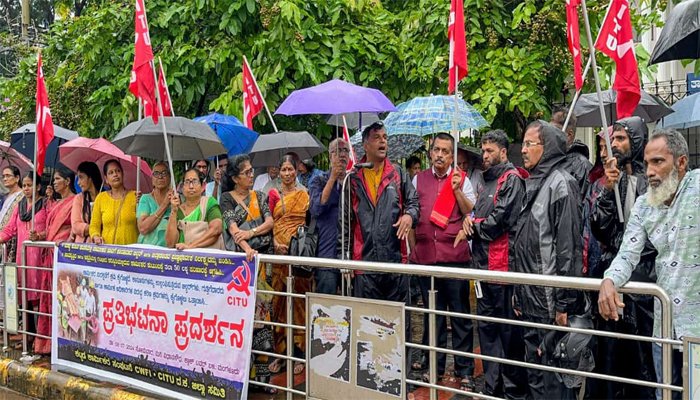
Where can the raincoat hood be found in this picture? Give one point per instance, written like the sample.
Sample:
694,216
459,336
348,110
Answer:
554,150
637,132
579,147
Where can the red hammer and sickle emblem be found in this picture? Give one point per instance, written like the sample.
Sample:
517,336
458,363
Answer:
240,279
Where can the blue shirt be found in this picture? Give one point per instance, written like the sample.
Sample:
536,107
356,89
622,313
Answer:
326,215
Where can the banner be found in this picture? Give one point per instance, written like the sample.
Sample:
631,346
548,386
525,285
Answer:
176,323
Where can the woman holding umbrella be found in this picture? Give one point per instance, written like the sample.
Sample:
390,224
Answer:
288,205
114,213
58,229
11,178
90,182
20,226
154,208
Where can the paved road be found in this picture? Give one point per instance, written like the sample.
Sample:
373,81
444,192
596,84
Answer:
6,394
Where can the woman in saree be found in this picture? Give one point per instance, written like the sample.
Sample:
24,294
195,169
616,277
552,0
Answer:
58,229
288,205
247,216
90,182
154,208
12,179
20,226
195,208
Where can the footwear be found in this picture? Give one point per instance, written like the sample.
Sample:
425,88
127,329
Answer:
298,368
277,366
466,385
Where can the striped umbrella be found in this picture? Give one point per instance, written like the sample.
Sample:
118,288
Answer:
433,114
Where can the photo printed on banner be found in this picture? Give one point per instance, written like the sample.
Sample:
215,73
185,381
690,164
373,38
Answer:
379,355
330,341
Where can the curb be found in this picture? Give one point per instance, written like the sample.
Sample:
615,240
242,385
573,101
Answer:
42,383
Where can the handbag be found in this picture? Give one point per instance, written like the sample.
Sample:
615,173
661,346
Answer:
304,243
193,230
260,243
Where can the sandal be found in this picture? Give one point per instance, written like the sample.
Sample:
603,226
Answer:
417,366
466,385
276,366
298,368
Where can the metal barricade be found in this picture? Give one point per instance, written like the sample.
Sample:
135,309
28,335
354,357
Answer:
25,308
3,323
585,284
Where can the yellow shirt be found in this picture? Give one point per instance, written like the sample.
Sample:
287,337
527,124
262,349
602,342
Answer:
373,179
104,221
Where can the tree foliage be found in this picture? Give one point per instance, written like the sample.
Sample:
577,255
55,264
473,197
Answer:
518,59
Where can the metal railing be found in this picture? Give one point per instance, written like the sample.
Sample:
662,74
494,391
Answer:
585,284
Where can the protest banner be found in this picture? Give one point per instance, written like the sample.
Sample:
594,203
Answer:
176,323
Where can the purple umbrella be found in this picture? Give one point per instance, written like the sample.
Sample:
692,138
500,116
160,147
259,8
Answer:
335,97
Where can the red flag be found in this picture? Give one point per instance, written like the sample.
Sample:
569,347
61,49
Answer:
143,84
252,100
44,123
616,40
346,137
164,93
574,39
458,45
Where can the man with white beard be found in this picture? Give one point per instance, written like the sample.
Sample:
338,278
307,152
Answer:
667,215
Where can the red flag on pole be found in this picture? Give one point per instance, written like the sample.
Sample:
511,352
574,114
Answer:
616,40
142,83
346,137
458,45
44,123
574,39
252,100
164,93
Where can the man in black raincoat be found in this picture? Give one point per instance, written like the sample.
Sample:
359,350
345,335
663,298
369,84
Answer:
548,241
614,356
577,163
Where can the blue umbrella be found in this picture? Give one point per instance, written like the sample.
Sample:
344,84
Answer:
686,114
432,114
235,137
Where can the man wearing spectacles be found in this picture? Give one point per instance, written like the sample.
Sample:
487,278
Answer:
324,191
547,241
213,188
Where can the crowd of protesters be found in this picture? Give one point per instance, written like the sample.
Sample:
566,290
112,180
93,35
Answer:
557,215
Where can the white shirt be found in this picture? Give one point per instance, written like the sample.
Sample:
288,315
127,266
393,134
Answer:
261,181
467,188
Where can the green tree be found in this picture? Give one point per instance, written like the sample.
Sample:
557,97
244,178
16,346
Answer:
518,58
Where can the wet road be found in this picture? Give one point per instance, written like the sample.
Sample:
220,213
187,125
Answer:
6,394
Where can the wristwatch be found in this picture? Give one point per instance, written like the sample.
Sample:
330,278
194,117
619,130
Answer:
255,231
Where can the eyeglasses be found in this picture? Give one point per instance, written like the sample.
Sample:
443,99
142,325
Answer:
8,176
528,144
192,182
248,172
160,174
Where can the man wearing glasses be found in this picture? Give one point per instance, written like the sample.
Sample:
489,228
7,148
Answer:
324,190
547,241
384,210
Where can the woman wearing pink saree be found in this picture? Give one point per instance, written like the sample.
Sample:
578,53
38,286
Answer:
20,226
58,229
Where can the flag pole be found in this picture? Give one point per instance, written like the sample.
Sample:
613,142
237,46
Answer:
454,119
255,81
165,131
585,73
138,158
36,145
167,89
594,66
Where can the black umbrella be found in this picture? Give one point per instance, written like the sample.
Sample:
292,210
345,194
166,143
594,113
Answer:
650,108
269,149
22,140
680,38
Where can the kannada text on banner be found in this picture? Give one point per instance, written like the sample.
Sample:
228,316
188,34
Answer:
162,319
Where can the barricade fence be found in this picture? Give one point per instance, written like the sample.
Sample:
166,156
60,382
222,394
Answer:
666,341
